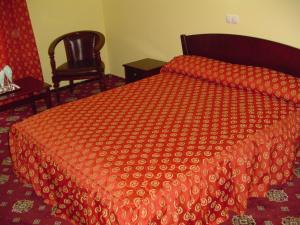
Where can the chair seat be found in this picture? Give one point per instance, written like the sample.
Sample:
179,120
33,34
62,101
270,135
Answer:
80,68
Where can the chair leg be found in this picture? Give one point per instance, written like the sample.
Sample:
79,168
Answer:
71,86
47,98
102,83
56,86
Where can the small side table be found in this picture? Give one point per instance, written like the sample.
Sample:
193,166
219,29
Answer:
141,69
31,90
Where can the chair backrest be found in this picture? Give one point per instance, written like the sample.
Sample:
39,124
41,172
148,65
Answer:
80,46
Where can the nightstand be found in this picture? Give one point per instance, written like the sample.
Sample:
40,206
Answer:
141,69
31,90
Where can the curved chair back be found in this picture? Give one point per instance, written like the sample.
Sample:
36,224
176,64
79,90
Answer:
80,46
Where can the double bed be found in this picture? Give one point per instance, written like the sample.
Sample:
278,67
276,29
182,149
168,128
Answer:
219,124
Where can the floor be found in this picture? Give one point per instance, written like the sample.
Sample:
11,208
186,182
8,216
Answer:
20,205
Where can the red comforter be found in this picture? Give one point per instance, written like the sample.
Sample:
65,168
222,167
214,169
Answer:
171,149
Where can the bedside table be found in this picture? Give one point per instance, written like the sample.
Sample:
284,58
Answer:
141,69
31,90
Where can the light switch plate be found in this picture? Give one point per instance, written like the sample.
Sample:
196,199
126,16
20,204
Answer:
232,19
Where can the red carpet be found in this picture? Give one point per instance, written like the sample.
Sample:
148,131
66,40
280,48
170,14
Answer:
20,205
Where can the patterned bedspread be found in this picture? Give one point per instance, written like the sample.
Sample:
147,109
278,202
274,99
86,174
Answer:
170,149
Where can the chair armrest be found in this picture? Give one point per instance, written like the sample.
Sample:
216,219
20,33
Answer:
101,42
54,43
51,51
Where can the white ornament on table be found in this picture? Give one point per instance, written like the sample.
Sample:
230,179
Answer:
8,72
2,78
6,80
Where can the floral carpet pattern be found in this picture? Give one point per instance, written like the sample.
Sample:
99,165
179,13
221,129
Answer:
20,205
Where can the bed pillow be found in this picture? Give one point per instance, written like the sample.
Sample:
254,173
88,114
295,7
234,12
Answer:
255,78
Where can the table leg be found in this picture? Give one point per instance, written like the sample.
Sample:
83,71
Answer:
33,106
48,98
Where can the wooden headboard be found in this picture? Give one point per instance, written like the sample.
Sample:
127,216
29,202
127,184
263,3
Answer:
244,50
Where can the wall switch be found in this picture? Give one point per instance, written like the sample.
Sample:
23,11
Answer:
228,19
232,19
235,19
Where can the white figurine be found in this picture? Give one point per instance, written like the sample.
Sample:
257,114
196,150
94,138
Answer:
6,80
8,72
2,78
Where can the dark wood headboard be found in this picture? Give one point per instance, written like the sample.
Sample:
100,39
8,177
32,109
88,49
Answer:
244,50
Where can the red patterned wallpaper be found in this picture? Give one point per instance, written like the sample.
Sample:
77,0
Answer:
17,44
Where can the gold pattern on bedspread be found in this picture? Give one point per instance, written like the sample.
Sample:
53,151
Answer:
170,149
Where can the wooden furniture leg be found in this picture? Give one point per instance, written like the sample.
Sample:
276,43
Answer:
48,98
71,86
33,106
56,89
102,83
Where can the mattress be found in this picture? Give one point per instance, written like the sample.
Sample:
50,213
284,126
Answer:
170,149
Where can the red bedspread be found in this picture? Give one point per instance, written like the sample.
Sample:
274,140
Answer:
170,149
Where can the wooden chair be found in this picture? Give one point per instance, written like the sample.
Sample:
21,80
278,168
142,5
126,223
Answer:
83,58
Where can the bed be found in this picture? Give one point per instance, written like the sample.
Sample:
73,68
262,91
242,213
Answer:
219,124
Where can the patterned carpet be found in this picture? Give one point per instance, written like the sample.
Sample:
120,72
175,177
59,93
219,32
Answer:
20,205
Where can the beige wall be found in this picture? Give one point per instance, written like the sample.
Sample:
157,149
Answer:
141,28
53,18
135,29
